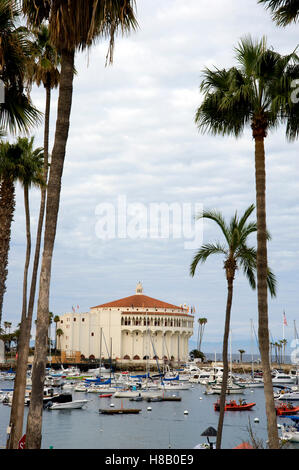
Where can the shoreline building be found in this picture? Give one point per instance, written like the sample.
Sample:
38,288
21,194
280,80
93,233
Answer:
135,328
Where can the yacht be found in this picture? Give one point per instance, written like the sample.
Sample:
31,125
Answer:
281,378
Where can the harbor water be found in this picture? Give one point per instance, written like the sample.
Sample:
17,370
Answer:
159,425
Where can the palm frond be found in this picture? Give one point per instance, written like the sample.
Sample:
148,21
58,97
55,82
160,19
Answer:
203,254
217,217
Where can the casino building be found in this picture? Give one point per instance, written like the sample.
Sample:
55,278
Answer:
134,328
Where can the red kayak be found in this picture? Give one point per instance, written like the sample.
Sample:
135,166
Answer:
234,406
107,395
286,409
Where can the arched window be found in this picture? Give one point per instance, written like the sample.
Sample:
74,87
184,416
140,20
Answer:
126,356
136,358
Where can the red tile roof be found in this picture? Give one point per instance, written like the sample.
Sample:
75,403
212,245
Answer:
139,300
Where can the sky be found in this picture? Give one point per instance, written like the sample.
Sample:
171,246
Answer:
133,141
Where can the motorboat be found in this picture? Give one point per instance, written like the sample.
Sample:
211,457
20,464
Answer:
290,432
234,406
50,395
250,383
288,394
232,388
70,405
284,409
280,379
174,386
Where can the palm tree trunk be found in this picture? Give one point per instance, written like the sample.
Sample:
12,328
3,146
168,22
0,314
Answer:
7,208
17,409
262,266
225,361
34,422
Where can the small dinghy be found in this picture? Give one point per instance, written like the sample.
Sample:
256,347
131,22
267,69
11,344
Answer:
70,405
105,395
286,409
234,406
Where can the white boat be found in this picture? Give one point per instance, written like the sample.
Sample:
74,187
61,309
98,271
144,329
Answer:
250,383
290,432
281,379
287,395
70,405
174,386
232,388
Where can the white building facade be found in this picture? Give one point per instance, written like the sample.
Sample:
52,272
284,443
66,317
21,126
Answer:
137,327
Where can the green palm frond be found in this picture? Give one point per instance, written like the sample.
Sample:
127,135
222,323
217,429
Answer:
272,283
203,254
236,251
259,86
217,217
284,12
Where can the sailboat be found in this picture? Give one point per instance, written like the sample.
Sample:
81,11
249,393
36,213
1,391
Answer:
232,386
252,382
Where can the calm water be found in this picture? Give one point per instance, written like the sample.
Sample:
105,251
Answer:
165,426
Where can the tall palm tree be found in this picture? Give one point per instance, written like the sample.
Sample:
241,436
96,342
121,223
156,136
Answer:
17,112
33,165
73,25
42,70
241,351
202,323
11,169
256,92
237,254
56,320
284,12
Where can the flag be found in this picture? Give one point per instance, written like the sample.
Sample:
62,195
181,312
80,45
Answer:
77,307
73,308
284,319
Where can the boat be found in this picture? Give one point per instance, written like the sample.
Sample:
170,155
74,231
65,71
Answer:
281,378
119,411
284,409
50,396
290,432
70,405
234,406
105,395
288,395
230,390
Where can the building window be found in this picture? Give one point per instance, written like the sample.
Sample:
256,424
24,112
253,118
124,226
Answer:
74,319
61,321
83,319
92,334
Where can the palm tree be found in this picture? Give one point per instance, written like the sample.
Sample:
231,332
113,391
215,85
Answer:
88,21
255,92
43,70
284,343
59,333
33,164
237,254
202,323
56,320
241,351
284,12
11,169
17,111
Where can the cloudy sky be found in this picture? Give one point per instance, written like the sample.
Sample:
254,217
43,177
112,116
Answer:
133,138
